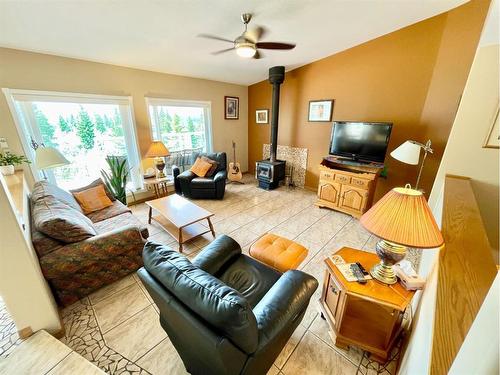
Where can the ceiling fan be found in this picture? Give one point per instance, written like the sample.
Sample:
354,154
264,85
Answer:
247,44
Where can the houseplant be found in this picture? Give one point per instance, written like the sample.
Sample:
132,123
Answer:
8,160
116,178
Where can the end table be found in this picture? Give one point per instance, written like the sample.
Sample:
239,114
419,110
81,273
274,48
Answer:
369,315
159,185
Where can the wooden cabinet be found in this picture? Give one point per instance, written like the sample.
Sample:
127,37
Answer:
329,191
349,189
353,199
369,315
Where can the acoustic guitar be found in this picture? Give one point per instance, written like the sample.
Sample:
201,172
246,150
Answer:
234,174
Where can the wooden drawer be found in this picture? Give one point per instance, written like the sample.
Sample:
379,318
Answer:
360,182
343,179
326,175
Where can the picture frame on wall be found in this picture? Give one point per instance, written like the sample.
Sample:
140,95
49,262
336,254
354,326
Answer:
262,116
231,108
320,110
493,137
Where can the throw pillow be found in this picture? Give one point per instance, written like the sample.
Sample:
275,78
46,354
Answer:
200,167
93,199
94,184
58,220
213,167
42,189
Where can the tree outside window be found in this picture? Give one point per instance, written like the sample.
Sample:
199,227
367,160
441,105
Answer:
85,134
180,127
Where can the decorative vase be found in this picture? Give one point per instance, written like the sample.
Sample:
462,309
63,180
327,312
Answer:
7,169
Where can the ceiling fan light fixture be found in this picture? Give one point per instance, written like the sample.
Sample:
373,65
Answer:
248,44
246,50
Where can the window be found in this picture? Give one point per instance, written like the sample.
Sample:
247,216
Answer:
180,125
84,128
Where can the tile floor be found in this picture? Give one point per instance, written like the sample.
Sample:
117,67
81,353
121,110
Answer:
117,327
9,338
42,354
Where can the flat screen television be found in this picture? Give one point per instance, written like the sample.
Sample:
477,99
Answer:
360,141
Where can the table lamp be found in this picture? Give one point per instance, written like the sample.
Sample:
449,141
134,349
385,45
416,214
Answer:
158,150
409,153
401,218
49,157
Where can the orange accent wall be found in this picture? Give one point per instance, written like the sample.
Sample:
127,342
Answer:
413,77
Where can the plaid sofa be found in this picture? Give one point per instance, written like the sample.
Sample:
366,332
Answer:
76,269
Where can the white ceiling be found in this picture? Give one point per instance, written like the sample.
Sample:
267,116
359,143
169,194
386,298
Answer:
161,35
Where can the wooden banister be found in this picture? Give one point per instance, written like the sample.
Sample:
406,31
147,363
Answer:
465,274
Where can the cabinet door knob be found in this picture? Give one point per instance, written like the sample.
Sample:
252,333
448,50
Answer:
334,291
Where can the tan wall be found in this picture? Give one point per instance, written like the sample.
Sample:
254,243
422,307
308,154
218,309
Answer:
456,53
386,79
26,70
464,154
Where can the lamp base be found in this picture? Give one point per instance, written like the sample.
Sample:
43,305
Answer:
160,165
389,254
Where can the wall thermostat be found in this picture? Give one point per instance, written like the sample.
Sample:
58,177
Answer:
3,143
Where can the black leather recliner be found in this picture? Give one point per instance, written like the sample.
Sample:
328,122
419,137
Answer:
225,312
192,186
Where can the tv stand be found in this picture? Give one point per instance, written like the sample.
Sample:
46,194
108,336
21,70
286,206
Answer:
346,185
352,162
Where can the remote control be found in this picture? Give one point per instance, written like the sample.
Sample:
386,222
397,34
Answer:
358,274
362,269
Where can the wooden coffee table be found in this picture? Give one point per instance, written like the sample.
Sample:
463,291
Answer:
180,218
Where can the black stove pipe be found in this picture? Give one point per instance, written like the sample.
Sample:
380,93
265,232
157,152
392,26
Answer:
276,78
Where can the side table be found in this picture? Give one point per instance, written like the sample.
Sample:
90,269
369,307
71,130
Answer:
369,315
159,185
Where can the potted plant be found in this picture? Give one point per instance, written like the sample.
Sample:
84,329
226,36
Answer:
116,179
9,160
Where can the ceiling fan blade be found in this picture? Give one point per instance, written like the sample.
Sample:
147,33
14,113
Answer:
256,34
273,45
222,51
208,36
258,55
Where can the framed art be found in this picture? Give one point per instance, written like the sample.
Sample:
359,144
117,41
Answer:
231,107
493,137
320,110
262,116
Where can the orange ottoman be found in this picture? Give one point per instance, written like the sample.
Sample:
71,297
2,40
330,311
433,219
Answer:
278,252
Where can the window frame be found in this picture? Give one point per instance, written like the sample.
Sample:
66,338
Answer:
28,127
205,105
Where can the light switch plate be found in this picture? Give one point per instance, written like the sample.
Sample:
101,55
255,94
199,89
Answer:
3,143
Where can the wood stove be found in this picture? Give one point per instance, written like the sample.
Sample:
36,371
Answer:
270,172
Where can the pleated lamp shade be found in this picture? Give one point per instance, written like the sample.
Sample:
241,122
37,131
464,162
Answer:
157,149
403,217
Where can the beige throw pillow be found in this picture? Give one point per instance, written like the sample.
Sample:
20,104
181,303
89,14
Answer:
58,220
